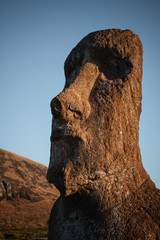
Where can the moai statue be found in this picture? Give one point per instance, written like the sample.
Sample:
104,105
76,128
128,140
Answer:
95,157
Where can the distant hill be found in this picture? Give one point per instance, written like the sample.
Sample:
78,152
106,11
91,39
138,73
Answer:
26,198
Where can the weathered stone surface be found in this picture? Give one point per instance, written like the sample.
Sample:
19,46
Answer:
95,157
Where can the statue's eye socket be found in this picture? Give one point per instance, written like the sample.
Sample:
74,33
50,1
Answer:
115,68
120,68
111,63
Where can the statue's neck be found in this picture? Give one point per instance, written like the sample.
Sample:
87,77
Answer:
117,185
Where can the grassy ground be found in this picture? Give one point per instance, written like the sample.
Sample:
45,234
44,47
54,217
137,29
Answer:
29,235
23,216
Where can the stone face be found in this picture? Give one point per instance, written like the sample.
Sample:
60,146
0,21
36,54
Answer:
95,157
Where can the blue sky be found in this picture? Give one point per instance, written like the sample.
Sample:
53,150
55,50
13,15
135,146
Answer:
37,36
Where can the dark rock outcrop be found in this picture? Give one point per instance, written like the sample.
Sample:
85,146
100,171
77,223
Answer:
26,197
95,157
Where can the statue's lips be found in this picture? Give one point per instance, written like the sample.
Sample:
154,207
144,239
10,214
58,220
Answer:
57,134
60,133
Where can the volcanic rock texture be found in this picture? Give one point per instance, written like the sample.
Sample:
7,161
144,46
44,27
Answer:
26,197
95,157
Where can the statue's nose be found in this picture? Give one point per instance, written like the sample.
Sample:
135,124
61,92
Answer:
69,106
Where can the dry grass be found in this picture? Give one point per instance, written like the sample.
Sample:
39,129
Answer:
21,217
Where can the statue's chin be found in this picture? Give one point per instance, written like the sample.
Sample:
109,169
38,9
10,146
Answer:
67,169
67,179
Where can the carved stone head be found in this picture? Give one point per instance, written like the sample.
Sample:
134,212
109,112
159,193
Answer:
96,117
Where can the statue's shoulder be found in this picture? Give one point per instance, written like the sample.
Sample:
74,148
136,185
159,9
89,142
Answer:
153,204
142,213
